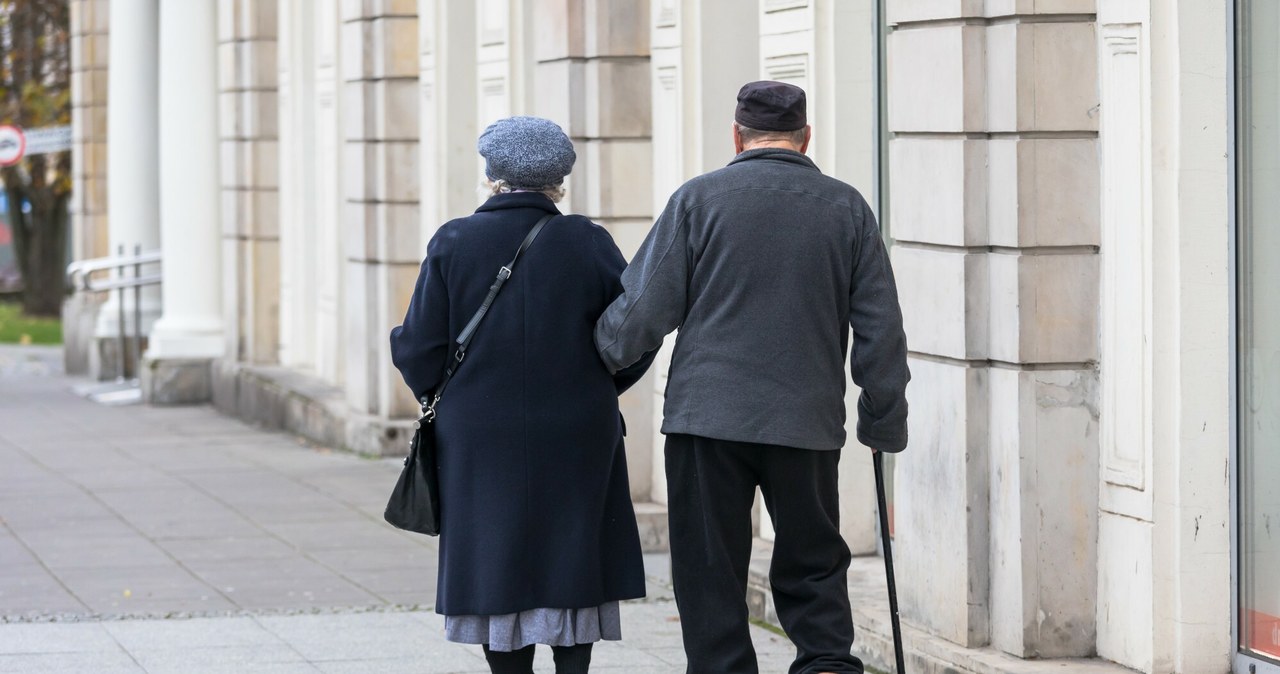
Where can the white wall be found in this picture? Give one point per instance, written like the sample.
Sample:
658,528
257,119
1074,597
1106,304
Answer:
311,269
1164,570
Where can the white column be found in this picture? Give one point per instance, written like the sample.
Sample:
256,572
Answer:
191,327
133,191
447,112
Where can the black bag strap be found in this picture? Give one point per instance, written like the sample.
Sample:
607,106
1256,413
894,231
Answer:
464,339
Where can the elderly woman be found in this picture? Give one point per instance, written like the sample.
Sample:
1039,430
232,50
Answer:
538,540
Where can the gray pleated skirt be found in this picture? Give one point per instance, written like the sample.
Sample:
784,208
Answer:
550,626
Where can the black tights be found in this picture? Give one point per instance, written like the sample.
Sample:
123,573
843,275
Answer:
569,659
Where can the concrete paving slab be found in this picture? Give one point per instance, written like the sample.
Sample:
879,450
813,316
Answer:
423,665
95,550
30,361
396,553
288,582
406,581
114,477
222,659
357,533
109,662
142,635
183,666
28,593
26,639
216,549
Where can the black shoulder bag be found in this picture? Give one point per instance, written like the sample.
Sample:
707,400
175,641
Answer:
415,502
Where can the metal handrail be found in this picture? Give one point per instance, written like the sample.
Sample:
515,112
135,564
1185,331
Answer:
84,268
118,283
122,264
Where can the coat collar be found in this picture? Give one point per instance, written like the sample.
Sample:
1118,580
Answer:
777,154
500,202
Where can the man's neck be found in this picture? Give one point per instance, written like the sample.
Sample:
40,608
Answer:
771,145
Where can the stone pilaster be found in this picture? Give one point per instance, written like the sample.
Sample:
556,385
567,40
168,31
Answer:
994,184
381,222
134,188
1166,334
89,229
247,129
591,76
89,36
700,53
936,91
189,334
447,107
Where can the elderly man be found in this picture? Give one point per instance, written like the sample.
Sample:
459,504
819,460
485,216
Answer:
764,265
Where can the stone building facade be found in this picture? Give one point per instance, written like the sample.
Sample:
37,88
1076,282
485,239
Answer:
1056,179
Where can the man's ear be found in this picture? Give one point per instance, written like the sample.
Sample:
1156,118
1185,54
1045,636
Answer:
808,136
737,139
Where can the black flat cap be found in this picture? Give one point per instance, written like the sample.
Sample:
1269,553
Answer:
771,106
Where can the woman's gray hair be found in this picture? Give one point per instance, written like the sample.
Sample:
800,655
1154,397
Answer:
553,192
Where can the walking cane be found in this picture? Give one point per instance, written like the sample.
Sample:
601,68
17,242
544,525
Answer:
878,460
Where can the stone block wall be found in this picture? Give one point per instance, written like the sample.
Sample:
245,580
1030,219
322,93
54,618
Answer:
381,193
995,191
89,36
592,77
89,229
448,93
248,121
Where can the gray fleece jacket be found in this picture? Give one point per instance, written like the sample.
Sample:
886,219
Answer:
764,265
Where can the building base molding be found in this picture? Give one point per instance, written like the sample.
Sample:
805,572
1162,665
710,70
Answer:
79,321
652,520
282,399
176,381
925,653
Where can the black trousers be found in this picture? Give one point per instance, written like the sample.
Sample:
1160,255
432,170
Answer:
568,659
710,489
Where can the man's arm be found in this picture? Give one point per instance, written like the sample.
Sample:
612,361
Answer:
654,297
878,361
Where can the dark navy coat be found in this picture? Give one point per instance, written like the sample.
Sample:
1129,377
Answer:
534,499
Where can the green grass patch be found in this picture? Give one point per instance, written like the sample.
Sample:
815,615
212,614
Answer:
18,328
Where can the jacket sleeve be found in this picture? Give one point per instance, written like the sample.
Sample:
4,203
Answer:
878,361
611,264
655,288
421,343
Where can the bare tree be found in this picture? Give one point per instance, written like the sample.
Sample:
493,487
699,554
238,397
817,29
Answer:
35,91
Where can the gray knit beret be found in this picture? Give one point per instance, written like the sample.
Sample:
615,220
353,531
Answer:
527,152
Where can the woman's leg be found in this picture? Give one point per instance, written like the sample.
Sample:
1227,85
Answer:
572,659
510,662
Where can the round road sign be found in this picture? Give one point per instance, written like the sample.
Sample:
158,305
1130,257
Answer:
13,144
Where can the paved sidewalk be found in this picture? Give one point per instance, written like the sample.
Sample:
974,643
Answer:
140,539
343,642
